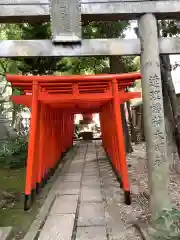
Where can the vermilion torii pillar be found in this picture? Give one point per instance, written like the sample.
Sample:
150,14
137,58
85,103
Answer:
29,187
120,142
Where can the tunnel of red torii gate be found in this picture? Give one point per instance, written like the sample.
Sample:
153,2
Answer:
54,100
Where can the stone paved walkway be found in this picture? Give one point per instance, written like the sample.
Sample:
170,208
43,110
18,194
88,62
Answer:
89,201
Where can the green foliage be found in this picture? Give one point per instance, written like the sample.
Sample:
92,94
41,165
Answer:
169,28
14,154
105,29
38,65
167,225
75,65
10,31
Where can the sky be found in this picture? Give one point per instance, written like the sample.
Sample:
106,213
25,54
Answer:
174,58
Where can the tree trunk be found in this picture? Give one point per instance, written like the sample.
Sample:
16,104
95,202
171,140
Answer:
133,132
170,112
127,139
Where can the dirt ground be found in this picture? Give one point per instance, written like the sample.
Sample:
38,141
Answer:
12,212
139,179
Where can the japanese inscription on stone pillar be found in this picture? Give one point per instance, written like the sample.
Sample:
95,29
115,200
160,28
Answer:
157,120
65,21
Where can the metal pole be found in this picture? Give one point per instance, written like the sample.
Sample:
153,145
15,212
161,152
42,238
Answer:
158,166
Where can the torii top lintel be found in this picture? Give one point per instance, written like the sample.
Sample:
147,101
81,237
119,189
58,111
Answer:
72,78
77,92
39,10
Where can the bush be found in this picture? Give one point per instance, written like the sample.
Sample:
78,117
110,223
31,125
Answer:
14,154
168,225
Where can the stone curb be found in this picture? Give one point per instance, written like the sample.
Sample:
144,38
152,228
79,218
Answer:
5,232
36,226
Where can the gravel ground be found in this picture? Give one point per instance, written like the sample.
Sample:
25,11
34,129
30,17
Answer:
139,209
139,178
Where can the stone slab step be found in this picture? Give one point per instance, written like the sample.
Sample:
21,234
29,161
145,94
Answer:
91,233
4,232
58,227
91,214
65,205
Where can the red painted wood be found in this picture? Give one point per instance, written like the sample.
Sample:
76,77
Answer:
54,100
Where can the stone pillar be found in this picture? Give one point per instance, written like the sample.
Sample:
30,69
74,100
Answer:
154,124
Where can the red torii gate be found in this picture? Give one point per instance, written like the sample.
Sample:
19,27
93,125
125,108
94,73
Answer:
53,101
